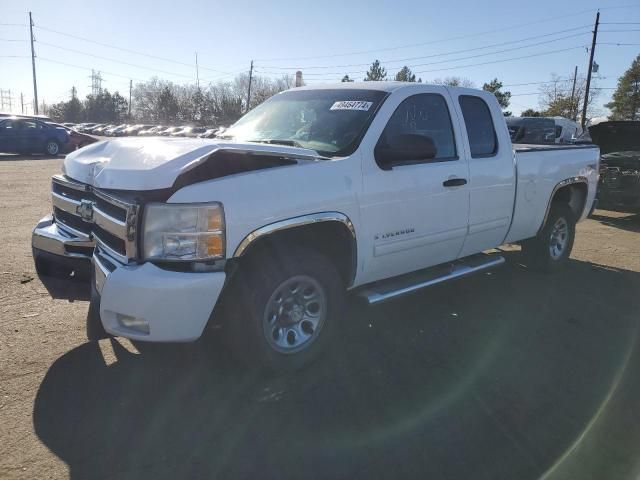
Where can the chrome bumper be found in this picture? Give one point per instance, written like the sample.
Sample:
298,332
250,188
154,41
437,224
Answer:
48,237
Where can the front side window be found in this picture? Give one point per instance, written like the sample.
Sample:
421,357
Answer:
424,115
479,125
331,121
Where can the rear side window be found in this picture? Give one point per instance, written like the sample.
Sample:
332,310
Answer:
479,124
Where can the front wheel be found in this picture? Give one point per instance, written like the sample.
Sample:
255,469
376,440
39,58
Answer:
550,249
284,308
52,147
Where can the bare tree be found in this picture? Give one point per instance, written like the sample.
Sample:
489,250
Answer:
556,98
454,82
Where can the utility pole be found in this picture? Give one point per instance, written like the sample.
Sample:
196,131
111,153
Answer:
583,120
130,87
22,102
197,73
574,104
249,89
33,64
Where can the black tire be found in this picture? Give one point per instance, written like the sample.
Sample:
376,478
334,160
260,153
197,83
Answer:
259,281
52,147
550,250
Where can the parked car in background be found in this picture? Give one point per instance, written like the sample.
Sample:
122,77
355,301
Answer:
543,130
69,124
189,132
101,129
76,139
23,135
151,131
42,118
567,131
168,131
619,185
209,133
118,131
95,128
84,127
135,129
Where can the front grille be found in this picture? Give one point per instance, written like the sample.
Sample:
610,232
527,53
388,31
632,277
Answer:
110,240
108,220
70,220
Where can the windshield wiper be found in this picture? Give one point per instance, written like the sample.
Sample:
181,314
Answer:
275,141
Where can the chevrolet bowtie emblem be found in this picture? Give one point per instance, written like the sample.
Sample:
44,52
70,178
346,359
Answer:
85,210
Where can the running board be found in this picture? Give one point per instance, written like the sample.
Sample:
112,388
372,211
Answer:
397,286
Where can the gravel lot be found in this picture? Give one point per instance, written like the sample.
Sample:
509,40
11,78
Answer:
510,374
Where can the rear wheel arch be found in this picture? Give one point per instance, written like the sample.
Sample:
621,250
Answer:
572,192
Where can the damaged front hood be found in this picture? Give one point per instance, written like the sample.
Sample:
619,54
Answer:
156,163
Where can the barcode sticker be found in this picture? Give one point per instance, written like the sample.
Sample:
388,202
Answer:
351,105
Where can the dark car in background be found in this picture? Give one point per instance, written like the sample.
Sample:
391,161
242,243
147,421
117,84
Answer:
76,139
24,135
619,184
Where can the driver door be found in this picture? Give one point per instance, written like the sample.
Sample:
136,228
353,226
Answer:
415,212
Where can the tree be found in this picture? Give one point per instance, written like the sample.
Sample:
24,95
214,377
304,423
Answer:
405,75
376,72
167,106
346,78
454,82
530,112
556,99
495,87
625,102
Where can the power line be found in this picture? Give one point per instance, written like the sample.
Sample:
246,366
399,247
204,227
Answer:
459,37
445,53
619,44
86,68
127,49
13,24
114,60
469,65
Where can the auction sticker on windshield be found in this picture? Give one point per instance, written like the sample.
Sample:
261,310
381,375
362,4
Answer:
351,105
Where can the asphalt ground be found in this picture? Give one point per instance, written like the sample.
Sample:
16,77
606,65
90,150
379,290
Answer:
509,374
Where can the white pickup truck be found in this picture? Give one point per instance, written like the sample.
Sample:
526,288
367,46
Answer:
376,188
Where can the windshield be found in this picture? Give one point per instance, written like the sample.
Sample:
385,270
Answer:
331,122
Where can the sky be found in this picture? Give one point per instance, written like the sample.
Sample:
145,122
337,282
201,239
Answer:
517,42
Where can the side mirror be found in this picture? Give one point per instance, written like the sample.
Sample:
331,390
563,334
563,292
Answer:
404,148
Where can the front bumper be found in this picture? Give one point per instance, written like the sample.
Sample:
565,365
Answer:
56,250
145,302
163,305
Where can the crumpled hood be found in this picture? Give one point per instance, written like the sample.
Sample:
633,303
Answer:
155,163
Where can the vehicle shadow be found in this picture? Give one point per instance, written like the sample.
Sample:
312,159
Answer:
630,222
67,288
494,376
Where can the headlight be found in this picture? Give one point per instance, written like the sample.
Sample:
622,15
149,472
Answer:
183,232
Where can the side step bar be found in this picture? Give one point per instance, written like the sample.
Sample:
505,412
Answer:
397,286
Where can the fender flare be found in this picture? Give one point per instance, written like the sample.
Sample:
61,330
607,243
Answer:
562,184
301,221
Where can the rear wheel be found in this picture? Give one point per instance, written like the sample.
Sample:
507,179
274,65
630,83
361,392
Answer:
52,147
550,249
283,308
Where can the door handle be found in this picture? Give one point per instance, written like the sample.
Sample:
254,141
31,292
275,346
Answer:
455,182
